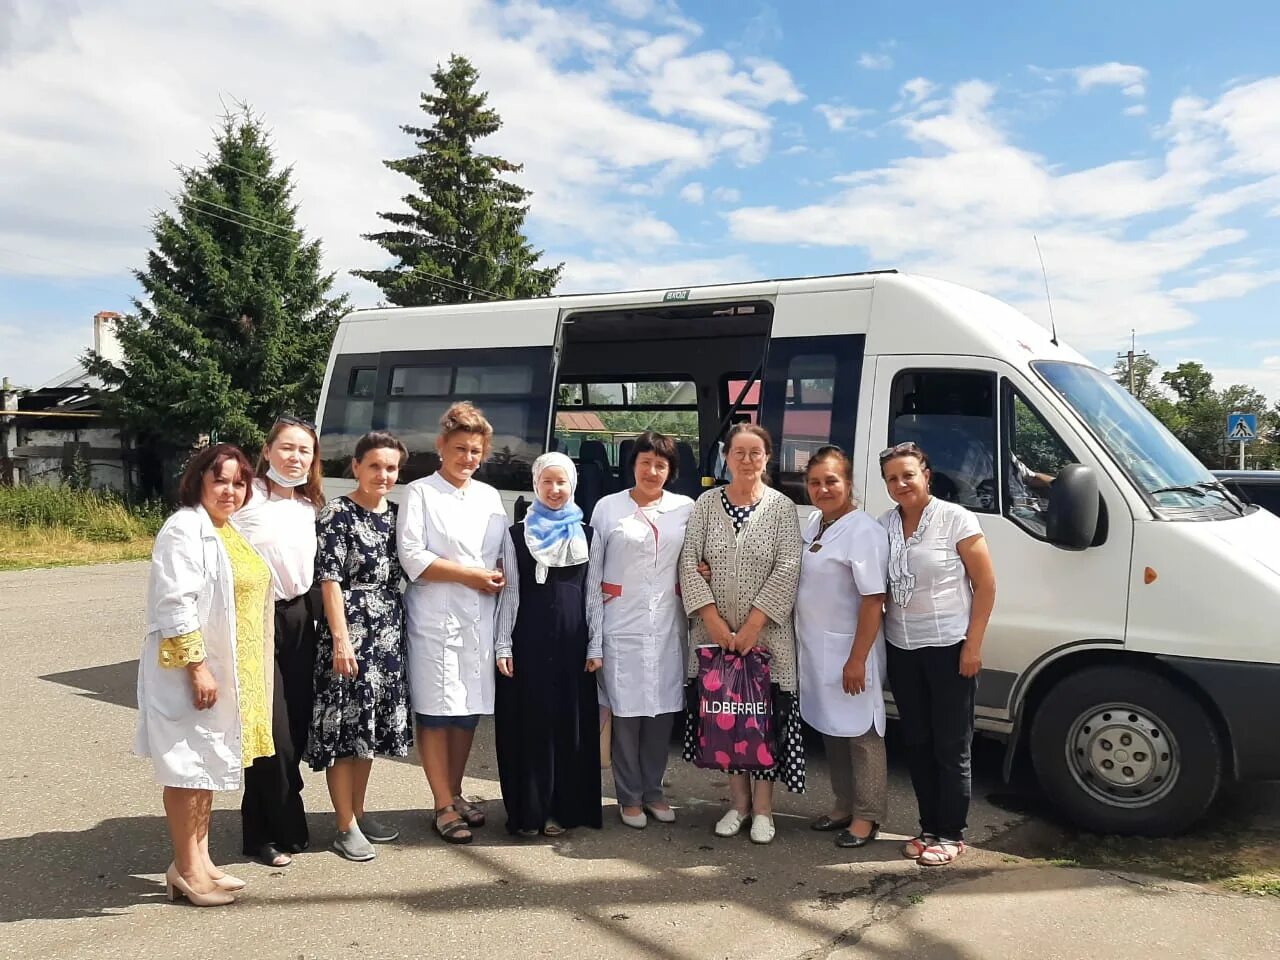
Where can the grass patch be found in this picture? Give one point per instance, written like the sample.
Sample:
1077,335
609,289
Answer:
47,526
1243,860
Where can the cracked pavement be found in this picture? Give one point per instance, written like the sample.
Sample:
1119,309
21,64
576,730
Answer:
83,848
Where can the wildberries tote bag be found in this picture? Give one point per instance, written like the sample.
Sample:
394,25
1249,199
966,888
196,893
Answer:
735,711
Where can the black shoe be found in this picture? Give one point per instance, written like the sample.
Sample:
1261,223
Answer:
824,823
850,841
272,856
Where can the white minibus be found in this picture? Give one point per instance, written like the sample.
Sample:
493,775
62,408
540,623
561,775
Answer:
1133,653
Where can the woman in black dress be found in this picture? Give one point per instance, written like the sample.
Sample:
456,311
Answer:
362,690
548,647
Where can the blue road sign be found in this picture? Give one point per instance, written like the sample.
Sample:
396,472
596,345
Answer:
1242,426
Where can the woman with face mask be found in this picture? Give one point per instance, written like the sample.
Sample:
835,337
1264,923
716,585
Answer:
639,533
942,588
548,648
280,522
449,537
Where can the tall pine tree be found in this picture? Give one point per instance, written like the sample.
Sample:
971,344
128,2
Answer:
461,238
236,320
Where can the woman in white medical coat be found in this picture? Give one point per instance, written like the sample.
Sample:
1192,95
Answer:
839,611
641,531
204,690
449,537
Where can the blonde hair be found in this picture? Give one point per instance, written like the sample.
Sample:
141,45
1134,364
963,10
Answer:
465,417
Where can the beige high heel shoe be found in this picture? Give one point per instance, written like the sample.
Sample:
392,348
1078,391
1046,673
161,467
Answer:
174,885
225,882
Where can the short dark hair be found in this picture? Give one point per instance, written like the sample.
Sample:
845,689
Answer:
908,449
651,441
212,458
380,440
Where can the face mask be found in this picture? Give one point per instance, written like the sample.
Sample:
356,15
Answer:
274,476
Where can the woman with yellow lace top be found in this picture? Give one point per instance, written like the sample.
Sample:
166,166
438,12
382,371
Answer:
204,694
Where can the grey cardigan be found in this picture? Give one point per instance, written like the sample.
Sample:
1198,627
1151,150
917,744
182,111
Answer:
759,567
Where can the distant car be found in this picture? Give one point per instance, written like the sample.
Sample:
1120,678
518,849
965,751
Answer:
1256,486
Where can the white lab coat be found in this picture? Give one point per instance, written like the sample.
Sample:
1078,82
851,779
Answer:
190,587
645,626
852,562
449,626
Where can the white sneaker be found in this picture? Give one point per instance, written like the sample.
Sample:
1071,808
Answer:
762,829
730,825
637,821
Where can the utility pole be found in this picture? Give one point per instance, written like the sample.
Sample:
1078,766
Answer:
1129,358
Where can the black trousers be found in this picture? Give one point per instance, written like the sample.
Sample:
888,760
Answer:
935,705
271,810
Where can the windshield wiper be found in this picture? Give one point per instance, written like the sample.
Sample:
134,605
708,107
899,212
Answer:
1202,489
1223,489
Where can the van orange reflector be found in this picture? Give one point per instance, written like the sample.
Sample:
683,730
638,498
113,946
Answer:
1149,576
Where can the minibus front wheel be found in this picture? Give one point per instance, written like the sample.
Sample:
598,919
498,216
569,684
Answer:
1124,750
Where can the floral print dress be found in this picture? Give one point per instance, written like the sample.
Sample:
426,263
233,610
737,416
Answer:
368,714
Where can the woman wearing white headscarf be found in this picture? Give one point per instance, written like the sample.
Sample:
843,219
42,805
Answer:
548,647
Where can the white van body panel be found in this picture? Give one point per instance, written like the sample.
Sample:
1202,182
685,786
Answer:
1217,589
515,323
821,312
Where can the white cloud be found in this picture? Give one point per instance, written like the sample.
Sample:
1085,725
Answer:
917,90
875,61
966,203
693,193
582,275
840,117
1137,110
1265,377
1225,286
1131,79
103,98
726,194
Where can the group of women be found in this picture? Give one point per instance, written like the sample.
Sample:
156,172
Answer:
280,630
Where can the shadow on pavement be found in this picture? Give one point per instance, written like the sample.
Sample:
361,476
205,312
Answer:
115,683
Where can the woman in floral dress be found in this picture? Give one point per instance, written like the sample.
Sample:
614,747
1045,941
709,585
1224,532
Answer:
362,689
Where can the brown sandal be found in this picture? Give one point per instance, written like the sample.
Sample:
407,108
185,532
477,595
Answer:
469,811
454,831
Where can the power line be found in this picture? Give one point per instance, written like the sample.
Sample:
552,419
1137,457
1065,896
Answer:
239,223
66,263
241,213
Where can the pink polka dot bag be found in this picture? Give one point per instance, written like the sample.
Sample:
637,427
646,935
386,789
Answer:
735,711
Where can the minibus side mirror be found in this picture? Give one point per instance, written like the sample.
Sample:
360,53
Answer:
1072,520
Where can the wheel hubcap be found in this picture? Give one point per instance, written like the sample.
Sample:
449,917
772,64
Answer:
1122,755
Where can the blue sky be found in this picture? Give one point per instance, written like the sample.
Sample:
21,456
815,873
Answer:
674,144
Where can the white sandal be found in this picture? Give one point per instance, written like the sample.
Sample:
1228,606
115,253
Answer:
762,828
730,825
941,852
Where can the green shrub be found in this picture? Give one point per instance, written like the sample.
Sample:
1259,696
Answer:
93,515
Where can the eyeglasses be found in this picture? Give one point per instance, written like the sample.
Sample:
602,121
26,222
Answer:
295,422
755,456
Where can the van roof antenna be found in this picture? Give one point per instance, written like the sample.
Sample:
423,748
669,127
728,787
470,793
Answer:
1053,326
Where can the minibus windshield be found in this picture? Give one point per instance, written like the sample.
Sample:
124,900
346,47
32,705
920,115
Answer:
1164,470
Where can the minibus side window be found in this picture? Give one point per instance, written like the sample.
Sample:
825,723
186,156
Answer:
951,414
1033,455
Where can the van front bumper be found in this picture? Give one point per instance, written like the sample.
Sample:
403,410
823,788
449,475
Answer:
1247,696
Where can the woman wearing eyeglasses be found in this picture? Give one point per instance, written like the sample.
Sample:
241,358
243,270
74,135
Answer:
942,588
748,536
839,611
279,520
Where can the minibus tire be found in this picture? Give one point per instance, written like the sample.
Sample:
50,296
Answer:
1128,718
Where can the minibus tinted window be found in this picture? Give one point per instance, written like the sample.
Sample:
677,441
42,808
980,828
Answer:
951,414
1034,456
1162,468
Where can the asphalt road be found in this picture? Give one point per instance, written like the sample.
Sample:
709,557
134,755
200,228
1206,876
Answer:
83,848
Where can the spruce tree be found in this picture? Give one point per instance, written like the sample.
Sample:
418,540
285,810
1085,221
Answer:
461,238
236,319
